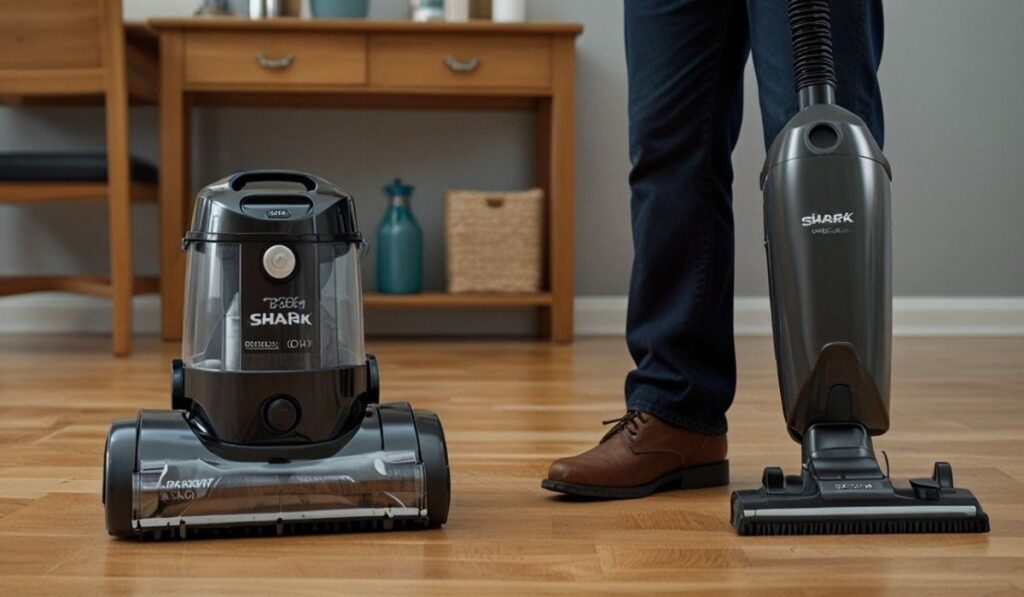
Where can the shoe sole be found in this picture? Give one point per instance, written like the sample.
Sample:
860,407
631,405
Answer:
714,474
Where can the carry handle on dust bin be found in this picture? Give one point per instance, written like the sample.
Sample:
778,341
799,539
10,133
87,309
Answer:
239,181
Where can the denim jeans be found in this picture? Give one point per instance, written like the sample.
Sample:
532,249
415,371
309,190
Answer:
685,61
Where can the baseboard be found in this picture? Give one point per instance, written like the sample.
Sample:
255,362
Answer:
912,316
55,312
595,315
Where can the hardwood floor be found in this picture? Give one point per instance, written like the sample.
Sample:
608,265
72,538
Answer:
509,409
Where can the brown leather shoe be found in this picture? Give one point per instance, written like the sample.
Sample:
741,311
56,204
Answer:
641,455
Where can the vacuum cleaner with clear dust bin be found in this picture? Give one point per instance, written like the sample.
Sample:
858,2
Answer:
274,425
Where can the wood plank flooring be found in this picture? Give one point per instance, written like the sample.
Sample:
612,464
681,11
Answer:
509,409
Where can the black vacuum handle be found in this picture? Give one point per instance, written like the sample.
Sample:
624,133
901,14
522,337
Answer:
813,67
239,181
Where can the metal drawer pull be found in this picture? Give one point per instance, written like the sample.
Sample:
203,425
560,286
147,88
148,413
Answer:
275,63
462,67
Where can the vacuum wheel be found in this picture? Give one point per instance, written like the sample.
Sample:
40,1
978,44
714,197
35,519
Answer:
178,385
434,452
118,467
372,380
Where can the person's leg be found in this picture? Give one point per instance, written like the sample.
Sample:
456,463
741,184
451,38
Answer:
857,34
685,62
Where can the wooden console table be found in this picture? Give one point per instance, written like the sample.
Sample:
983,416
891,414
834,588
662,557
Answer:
374,64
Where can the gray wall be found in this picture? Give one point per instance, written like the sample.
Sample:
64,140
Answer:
951,77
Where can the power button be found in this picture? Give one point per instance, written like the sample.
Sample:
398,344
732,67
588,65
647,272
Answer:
281,414
279,262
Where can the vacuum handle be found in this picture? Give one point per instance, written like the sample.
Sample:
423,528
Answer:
813,66
239,181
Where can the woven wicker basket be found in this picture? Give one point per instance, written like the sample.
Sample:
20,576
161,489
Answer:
494,240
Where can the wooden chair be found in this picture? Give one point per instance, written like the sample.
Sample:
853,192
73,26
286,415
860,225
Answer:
57,51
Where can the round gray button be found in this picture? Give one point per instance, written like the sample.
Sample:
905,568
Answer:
281,414
279,262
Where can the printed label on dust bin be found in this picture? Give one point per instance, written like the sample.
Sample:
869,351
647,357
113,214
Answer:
281,322
278,316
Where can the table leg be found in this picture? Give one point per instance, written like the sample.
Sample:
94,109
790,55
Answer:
542,174
119,200
561,192
174,157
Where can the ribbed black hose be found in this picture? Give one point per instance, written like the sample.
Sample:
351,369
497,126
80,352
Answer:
812,43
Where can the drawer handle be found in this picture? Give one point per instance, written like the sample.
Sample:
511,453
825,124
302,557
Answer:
462,67
275,63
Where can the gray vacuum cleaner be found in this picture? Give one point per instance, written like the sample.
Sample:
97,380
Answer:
275,424
828,240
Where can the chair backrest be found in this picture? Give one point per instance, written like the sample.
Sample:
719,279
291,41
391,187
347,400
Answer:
58,46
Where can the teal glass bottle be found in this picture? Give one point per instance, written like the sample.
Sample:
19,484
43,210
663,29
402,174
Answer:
399,244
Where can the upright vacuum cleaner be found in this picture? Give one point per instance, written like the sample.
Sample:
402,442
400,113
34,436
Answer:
275,424
828,241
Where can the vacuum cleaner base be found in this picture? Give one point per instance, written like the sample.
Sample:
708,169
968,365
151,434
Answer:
842,490
164,479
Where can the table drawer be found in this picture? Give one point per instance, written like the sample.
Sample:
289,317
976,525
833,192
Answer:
464,61
273,59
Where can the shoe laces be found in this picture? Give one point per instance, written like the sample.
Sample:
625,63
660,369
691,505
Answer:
629,422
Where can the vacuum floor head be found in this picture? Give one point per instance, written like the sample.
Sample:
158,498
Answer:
163,481
842,490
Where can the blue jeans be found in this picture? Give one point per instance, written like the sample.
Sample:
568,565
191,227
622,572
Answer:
685,61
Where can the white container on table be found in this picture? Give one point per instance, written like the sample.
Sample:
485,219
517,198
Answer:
508,11
456,10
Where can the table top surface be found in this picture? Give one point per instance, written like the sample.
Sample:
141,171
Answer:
303,24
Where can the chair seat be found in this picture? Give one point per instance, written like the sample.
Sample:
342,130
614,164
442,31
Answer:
67,167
